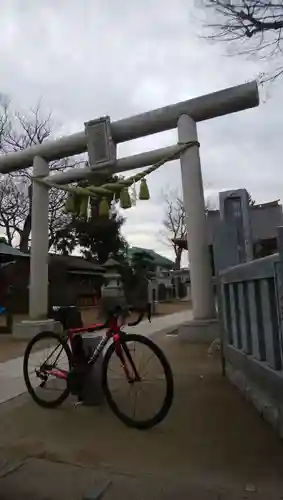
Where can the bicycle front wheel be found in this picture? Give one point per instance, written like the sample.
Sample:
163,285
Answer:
137,381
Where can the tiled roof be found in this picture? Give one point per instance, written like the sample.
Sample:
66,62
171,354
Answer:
75,262
158,259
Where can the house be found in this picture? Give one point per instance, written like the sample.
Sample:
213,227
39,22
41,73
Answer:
162,266
160,263
165,282
72,281
264,219
81,280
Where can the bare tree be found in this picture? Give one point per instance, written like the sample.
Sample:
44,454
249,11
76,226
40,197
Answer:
17,132
174,224
255,25
13,208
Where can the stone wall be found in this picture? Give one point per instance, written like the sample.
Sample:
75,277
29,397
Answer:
259,384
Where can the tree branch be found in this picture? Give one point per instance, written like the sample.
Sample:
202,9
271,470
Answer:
17,132
256,24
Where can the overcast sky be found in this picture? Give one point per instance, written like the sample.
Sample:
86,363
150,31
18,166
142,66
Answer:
88,58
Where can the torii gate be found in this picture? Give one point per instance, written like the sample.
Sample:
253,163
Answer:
182,115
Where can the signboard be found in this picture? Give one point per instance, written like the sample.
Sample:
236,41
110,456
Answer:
100,145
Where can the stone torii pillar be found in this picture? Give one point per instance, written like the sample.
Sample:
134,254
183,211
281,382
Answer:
38,295
200,268
204,325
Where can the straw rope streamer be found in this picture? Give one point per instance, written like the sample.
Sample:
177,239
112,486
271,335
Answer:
78,197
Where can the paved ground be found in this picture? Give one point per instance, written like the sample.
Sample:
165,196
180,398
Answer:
213,445
10,348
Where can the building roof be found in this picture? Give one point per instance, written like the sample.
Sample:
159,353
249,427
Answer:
8,253
111,263
157,259
74,262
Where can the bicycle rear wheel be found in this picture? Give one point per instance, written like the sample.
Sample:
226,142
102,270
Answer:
126,378
47,360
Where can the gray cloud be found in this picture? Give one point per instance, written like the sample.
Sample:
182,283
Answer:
91,58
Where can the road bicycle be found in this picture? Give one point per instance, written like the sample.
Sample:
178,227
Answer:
133,369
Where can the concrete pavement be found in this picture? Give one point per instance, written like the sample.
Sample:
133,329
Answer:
212,445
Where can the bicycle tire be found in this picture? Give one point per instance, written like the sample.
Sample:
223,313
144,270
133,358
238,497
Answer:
35,397
161,414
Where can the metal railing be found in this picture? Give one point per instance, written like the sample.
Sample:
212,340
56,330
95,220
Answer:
250,301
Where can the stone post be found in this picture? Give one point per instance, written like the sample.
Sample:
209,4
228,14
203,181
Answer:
204,326
200,268
38,290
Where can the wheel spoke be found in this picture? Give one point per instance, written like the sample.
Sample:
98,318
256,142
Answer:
139,402
46,388
147,362
135,400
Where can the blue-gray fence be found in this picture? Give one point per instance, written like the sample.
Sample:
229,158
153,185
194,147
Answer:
251,311
251,308
250,300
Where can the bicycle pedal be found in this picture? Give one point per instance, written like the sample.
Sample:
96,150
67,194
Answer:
78,404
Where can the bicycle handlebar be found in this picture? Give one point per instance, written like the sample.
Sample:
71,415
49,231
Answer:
142,313
119,310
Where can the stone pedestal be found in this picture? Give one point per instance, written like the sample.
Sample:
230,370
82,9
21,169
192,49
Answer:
92,393
199,331
26,330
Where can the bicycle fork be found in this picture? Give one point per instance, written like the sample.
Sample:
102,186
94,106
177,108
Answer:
119,348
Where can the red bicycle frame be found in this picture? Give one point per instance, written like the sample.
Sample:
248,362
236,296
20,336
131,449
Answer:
113,330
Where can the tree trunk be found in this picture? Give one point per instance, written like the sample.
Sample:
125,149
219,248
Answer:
24,241
8,235
178,257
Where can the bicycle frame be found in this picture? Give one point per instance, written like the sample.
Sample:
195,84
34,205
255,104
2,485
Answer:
114,348
113,331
